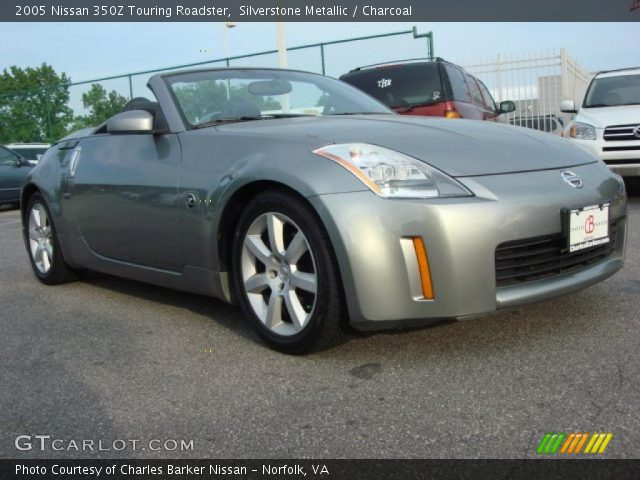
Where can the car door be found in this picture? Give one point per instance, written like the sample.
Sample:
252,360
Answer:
12,174
123,192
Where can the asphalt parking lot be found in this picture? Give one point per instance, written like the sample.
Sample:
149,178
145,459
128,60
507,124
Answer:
106,359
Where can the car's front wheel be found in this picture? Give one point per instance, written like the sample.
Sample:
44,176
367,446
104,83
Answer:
286,275
41,240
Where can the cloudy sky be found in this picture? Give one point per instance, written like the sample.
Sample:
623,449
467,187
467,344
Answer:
89,50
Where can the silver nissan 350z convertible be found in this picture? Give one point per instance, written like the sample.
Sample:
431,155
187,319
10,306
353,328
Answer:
310,204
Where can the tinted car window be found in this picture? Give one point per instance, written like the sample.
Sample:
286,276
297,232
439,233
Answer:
476,96
31,153
397,86
7,157
459,87
487,96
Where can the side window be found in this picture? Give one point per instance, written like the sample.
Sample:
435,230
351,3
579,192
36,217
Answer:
7,157
459,87
476,96
488,99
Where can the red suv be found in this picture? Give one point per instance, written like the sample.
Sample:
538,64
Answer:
437,89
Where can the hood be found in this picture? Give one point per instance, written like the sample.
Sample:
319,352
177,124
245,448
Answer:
602,117
457,147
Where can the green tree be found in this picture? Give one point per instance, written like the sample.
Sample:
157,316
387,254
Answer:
33,104
101,106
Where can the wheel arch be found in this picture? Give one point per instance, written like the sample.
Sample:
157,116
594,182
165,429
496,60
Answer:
27,192
233,209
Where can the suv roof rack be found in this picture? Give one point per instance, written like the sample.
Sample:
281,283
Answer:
394,62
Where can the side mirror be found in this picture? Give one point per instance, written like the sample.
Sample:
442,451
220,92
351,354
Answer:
20,162
568,106
132,121
507,107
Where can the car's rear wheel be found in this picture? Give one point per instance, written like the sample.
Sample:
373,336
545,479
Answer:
42,244
285,274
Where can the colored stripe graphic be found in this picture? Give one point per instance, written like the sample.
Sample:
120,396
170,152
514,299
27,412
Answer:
572,443
598,443
582,441
550,443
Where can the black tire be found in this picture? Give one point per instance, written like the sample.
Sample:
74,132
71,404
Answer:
59,271
323,326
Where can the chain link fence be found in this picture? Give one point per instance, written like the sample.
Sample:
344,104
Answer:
329,58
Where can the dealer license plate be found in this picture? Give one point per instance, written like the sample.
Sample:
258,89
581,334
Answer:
588,227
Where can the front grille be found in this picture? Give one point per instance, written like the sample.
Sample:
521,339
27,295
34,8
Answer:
532,259
622,161
617,133
619,149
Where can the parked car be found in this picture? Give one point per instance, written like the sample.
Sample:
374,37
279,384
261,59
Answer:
13,171
545,123
607,123
435,89
31,151
351,213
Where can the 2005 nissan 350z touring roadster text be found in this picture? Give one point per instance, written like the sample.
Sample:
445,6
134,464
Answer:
310,204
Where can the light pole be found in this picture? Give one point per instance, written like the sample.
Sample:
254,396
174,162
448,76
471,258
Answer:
225,27
282,60
225,30
282,45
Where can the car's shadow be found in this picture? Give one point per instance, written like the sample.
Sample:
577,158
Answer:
231,318
224,314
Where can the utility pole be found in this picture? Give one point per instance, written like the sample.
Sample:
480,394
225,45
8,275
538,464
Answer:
282,45
225,41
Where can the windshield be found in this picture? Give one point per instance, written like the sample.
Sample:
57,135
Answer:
613,91
218,96
406,85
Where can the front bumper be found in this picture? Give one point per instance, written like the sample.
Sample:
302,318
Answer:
461,235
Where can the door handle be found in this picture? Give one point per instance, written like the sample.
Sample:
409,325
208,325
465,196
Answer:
190,200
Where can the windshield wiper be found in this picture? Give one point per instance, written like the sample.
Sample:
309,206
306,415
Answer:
410,106
358,113
268,116
287,115
219,121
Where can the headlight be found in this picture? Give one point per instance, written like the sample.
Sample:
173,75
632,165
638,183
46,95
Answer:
582,131
392,174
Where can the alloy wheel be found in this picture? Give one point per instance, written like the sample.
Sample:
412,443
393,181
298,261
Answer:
40,238
279,273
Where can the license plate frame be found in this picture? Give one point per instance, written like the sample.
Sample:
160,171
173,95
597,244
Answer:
587,227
